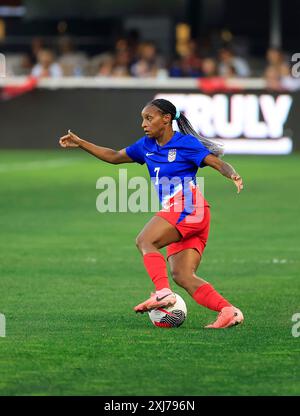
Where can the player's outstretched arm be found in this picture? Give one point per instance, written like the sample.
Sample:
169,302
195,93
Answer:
225,169
115,157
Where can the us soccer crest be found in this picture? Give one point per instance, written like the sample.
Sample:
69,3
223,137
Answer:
172,155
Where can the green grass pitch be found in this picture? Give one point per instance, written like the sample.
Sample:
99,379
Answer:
70,276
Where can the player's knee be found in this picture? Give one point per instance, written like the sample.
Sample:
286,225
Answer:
141,242
144,243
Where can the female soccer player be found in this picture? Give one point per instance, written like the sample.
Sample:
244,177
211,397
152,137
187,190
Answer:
182,225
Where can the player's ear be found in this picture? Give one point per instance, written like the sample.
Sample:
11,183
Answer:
167,118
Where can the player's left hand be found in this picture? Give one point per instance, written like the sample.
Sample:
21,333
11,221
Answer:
238,181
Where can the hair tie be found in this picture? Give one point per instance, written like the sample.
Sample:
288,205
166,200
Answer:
177,115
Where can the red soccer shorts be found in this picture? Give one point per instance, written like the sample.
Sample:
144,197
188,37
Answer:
194,227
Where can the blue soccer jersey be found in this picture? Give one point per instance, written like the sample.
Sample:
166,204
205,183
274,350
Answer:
172,165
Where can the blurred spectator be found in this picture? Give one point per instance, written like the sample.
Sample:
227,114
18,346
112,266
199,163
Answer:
229,63
275,58
113,64
122,61
106,64
37,44
278,74
230,72
189,64
209,68
46,66
72,62
122,45
149,63
272,78
279,64
25,65
133,41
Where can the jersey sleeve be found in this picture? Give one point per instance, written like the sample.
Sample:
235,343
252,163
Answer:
136,151
195,151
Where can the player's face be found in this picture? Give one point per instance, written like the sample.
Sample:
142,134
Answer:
154,122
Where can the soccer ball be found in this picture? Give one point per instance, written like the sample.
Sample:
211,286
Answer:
171,317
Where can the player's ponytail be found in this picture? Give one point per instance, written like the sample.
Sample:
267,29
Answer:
185,127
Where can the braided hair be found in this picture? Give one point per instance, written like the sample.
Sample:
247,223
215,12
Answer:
185,127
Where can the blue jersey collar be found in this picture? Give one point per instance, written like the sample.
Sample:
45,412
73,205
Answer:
175,137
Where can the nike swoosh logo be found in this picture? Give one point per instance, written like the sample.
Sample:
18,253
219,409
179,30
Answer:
149,154
159,299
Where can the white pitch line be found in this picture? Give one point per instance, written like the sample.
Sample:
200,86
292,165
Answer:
39,164
242,261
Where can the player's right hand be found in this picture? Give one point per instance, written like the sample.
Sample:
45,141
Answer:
69,140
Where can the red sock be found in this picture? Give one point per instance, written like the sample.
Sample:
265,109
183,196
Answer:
207,296
156,267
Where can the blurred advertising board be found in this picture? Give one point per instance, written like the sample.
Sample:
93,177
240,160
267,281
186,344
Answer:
248,122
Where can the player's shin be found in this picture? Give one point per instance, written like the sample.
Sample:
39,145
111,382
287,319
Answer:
156,267
208,297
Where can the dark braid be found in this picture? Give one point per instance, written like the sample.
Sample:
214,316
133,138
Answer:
185,127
